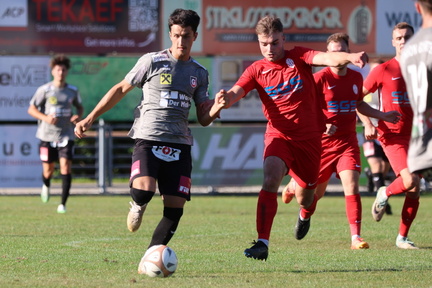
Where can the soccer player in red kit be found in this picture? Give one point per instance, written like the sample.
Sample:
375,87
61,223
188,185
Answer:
341,90
387,78
286,87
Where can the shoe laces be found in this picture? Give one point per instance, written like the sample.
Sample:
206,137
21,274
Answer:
406,240
381,201
135,207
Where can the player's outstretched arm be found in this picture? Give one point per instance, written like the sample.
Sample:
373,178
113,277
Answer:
338,59
111,98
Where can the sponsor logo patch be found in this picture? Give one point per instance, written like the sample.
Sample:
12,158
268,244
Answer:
166,153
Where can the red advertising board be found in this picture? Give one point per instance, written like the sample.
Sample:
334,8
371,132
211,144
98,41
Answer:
229,26
79,26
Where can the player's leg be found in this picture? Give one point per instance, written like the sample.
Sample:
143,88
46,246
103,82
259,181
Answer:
65,161
174,185
305,171
144,171
47,155
353,207
274,171
404,182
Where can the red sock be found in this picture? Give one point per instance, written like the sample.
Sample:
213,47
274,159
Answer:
409,212
306,213
396,187
266,211
353,209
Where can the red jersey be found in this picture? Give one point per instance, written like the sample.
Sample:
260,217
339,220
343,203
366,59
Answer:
387,79
341,94
288,93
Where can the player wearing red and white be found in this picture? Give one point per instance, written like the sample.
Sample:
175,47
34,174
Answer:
341,90
286,87
387,79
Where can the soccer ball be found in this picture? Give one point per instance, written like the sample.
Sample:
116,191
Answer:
158,261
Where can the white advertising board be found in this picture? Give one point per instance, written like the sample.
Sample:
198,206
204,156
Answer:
20,76
389,13
20,165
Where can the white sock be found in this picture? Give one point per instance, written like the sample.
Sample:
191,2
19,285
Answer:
265,241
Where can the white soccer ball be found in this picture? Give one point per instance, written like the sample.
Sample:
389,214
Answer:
158,261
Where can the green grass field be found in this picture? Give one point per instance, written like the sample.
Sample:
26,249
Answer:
90,246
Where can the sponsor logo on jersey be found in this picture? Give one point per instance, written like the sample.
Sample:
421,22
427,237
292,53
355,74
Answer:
284,89
174,99
166,153
165,79
193,81
52,100
400,98
160,57
345,106
290,62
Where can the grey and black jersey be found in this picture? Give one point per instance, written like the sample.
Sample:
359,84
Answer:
59,103
169,86
416,63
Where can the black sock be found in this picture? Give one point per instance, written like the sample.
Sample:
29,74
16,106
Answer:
167,226
46,181
66,184
378,179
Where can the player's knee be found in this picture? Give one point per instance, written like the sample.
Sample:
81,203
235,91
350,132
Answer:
141,197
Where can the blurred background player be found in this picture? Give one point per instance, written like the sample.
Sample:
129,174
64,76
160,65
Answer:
52,105
379,165
340,89
394,138
285,84
416,63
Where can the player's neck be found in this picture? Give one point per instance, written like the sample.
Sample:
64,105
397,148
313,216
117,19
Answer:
341,71
59,84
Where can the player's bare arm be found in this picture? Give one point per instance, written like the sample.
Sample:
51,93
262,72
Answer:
365,109
339,59
111,98
231,96
209,110
35,113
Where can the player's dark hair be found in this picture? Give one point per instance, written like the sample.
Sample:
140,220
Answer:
60,59
268,25
184,18
339,37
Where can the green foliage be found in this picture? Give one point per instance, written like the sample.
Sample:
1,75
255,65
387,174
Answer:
90,246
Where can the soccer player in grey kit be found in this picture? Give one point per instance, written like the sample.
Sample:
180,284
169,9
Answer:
416,66
170,79
52,105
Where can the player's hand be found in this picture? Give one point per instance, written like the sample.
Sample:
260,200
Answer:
370,132
50,119
82,127
74,119
330,129
392,117
221,99
359,59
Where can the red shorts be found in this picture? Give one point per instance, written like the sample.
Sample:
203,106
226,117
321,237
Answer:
338,155
396,148
302,158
